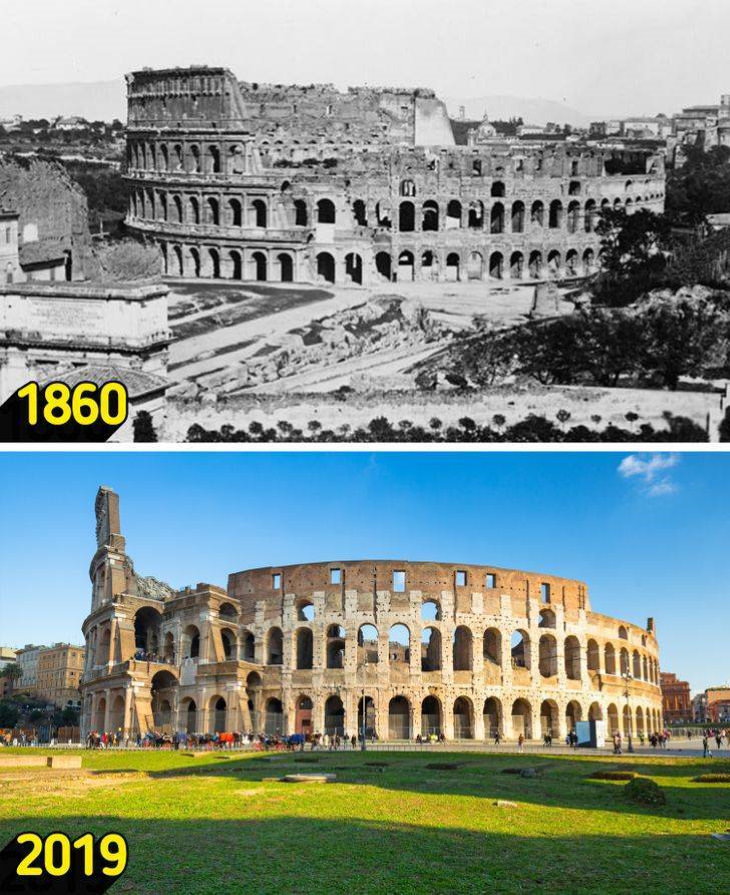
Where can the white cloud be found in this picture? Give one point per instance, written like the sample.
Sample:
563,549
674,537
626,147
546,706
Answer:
651,471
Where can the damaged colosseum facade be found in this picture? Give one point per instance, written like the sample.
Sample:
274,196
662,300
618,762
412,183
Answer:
283,183
423,647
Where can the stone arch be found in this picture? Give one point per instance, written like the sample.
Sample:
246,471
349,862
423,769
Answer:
326,267
627,725
644,669
624,664
609,658
554,263
335,646
218,708
260,214
496,218
353,268
571,263
430,216
187,716
623,633
230,643
260,265
194,261
235,264
573,217
431,716
399,718
640,721
212,207
549,717
537,213
326,213
100,714
522,718
593,656
573,714
147,621
194,156
589,216
589,261
518,217
430,611
213,160
463,649
179,264
383,265
496,265
235,212
520,649
463,718
548,656
547,619
248,646
274,646
453,267
305,610
492,715
116,714
595,712
476,215
193,210
636,665
304,648
430,649
334,716
367,644
492,646
535,264
214,259
399,644
612,718
475,266
164,157
406,267
555,219
572,658
301,217
516,265
190,642
407,217
498,190
359,213
168,648
273,717
178,210
453,215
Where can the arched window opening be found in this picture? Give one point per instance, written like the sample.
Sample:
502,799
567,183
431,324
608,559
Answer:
431,649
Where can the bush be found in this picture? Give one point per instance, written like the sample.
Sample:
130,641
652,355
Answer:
613,775
644,791
712,778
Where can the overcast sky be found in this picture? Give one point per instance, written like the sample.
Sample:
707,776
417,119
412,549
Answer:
647,532
626,56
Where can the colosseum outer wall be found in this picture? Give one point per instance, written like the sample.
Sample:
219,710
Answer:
463,650
290,183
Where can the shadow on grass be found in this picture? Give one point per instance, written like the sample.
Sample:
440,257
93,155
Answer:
560,782
355,857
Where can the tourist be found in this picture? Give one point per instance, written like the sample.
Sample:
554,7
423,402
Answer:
617,743
497,738
521,743
706,751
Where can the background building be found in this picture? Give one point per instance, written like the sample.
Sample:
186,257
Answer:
28,663
676,698
718,704
59,673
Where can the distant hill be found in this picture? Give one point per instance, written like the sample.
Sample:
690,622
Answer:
532,111
99,101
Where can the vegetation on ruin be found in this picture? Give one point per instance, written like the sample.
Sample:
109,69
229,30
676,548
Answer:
221,824
532,429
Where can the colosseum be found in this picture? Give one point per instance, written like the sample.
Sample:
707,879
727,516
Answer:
284,183
425,647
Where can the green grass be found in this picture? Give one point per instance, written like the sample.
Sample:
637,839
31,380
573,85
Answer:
216,825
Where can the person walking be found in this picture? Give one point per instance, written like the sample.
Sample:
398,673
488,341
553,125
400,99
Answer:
706,751
521,743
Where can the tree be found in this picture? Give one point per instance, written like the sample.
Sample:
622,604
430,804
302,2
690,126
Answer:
9,714
143,427
633,253
700,186
682,334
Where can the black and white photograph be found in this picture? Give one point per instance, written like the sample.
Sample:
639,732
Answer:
495,222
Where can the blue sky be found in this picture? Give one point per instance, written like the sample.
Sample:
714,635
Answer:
649,533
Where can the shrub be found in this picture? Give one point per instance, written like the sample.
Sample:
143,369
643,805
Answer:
612,775
712,778
644,791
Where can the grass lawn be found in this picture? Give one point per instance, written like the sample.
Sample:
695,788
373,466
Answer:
216,825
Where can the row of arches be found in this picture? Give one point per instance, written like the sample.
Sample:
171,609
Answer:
259,265
409,265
